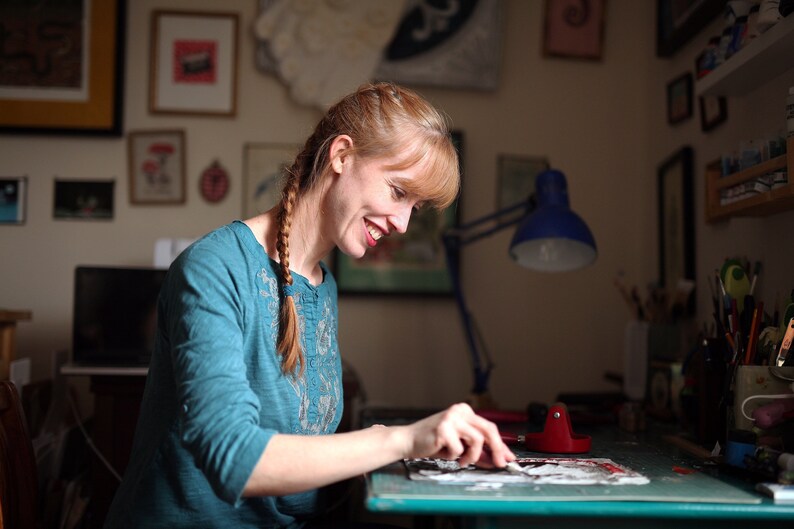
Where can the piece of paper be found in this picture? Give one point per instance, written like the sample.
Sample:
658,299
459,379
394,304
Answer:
540,471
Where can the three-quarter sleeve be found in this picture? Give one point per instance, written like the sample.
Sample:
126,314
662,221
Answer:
218,411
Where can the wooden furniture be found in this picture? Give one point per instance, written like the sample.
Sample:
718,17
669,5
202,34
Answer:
8,327
18,482
762,204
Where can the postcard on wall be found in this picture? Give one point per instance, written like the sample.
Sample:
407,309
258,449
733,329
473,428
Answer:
12,200
83,199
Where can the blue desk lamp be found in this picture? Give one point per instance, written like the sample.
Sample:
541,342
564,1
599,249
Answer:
549,238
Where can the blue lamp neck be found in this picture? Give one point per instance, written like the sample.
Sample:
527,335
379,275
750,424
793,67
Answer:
551,189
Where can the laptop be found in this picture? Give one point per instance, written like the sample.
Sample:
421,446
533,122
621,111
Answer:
115,315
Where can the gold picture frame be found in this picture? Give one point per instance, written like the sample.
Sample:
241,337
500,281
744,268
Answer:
34,100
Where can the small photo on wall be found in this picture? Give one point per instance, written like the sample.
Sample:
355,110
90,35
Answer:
84,199
12,200
713,112
679,99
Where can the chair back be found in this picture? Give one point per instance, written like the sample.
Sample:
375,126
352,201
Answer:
18,480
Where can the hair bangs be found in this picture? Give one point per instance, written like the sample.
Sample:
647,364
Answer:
441,175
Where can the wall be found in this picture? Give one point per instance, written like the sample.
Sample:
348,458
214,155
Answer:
597,121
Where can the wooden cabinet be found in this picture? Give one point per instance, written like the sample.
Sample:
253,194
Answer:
759,205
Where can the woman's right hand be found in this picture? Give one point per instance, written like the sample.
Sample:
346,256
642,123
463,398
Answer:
458,433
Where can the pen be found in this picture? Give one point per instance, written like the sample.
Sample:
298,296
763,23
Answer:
758,315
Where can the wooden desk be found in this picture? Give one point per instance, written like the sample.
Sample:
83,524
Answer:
707,497
8,328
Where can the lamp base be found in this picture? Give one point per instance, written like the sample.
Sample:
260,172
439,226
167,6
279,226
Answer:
481,401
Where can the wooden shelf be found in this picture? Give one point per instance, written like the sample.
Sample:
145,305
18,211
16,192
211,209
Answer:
760,205
766,57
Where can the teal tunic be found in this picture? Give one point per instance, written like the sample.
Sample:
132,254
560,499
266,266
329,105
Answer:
215,393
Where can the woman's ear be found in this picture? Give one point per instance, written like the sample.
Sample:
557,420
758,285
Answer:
340,152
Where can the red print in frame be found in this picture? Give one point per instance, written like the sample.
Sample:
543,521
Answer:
195,61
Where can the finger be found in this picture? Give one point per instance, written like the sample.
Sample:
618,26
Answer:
499,453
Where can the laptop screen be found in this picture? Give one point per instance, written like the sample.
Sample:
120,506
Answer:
115,315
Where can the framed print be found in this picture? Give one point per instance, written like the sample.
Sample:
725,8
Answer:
412,263
62,67
156,166
677,21
13,199
713,112
574,29
516,178
456,45
83,199
263,168
675,194
679,99
193,63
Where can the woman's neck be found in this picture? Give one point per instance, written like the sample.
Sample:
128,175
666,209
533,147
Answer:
307,245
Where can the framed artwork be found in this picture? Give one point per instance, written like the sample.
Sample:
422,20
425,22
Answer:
516,178
713,112
13,199
263,168
450,46
679,99
677,21
83,199
676,219
156,166
412,263
62,67
193,63
574,29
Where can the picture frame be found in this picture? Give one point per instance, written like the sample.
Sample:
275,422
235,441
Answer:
263,170
156,167
677,21
83,199
193,66
515,177
82,93
13,199
574,29
409,264
679,99
676,218
713,112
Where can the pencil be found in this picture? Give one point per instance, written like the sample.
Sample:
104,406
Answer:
758,315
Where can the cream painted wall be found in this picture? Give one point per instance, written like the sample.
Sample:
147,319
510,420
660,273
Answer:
600,122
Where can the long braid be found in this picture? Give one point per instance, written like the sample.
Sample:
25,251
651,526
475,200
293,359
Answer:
289,333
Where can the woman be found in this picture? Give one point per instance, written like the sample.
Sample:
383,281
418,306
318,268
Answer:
246,373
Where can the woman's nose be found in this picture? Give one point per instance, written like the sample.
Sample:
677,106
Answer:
401,219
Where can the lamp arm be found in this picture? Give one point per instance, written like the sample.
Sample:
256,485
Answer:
454,239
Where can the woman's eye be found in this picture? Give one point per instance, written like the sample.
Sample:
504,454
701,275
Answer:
398,193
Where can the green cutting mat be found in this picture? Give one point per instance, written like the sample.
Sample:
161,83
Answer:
672,479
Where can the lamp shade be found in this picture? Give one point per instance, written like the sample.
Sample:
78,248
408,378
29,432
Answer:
552,238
